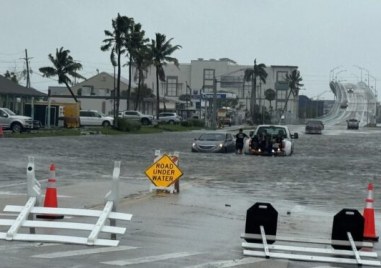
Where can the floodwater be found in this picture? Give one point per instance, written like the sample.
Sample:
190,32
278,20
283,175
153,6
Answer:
325,174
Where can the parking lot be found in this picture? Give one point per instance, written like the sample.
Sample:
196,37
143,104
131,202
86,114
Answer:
200,226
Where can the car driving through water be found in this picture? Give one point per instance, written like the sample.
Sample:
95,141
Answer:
214,142
270,140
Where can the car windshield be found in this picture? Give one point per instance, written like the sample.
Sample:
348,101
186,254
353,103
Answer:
315,122
9,111
212,137
271,131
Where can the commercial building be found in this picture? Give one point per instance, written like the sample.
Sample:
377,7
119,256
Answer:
190,88
198,79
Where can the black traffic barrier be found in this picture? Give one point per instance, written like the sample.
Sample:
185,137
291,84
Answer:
261,214
347,220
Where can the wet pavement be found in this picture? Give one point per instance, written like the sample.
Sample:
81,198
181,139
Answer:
200,226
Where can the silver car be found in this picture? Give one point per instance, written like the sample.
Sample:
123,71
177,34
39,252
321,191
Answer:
169,117
94,118
214,142
145,119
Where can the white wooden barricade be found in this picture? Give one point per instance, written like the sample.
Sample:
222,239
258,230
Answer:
302,252
345,251
175,187
25,218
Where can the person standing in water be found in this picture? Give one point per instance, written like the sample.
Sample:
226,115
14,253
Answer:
239,140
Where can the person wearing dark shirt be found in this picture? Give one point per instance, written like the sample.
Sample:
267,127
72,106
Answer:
240,137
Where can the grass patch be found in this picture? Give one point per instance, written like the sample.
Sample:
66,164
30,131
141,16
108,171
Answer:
58,132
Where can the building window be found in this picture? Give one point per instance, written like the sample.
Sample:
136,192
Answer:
209,75
281,94
87,90
281,76
171,86
231,81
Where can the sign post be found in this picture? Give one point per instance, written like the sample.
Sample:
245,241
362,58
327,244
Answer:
164,173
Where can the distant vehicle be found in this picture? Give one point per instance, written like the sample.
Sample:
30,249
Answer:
353,123
224,116
145,119
270,140
14,122
214,142
170,118
224,121
314,127
94,118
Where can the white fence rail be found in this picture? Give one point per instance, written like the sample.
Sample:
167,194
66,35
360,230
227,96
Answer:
26,217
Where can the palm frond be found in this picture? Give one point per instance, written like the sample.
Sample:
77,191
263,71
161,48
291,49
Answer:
48,71
248,75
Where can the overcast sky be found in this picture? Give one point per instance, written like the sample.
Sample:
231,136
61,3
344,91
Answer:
315,35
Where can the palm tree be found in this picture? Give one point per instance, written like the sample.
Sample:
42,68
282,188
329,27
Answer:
294,85
64,66
11,76
270,95
251,75
161,51
134,41
142,60
115,41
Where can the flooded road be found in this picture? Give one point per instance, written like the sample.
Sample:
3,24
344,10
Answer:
325,174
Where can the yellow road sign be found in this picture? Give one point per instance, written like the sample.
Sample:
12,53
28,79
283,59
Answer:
163,172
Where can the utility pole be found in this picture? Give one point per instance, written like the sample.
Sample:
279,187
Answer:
186,97
27,68
214,113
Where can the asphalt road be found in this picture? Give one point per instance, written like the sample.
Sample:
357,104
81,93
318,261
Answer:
200,226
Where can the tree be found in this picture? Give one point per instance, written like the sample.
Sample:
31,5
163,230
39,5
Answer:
64,66
161,51
142,60
140,93
294,85
11,76
251,75
116,42
270,95
134,42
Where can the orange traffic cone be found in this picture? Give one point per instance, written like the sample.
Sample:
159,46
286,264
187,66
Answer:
369,218
51,195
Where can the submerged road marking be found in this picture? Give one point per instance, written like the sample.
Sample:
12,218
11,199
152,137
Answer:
26,245
150,258
229,263
18,184
62,254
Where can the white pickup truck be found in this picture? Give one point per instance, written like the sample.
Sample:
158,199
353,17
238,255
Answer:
14,122
270,140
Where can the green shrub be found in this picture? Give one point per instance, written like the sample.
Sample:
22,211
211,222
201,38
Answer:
128,125
193,123
185,123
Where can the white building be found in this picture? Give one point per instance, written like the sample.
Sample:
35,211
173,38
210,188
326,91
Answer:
199,75
193,80
96,93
